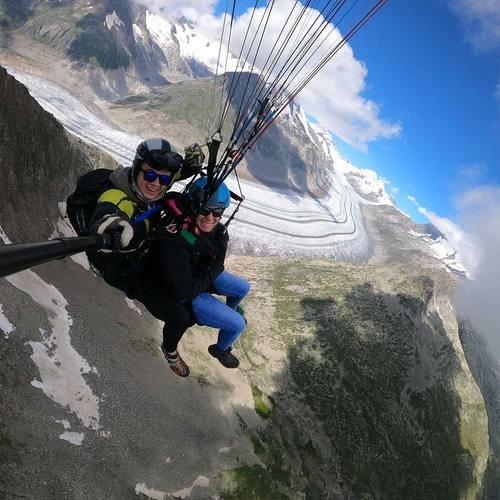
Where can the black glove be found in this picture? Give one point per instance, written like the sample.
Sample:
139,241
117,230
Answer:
118,227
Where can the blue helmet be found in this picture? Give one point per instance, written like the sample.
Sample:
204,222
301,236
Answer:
220,199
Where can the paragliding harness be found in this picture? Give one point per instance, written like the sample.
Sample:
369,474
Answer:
81,204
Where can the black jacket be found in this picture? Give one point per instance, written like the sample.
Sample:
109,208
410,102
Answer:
183,264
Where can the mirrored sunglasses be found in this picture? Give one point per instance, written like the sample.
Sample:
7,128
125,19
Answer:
151,176
216,212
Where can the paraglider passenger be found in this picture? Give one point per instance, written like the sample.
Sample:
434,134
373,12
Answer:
187,263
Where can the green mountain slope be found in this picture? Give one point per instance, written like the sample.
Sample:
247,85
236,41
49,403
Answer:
370,396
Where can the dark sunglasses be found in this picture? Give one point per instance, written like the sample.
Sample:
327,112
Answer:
151,176
216,212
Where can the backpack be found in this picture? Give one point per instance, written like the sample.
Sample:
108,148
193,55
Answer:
81,204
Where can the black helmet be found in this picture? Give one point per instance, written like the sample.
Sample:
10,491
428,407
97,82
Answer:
158,154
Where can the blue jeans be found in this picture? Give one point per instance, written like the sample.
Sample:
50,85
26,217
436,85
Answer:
210,311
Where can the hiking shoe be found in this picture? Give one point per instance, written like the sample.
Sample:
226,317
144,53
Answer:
176,363
226,358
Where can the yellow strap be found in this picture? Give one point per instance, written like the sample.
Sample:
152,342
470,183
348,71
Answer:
118,198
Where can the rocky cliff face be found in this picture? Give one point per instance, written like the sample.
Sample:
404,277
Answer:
39,162
353,382
486,371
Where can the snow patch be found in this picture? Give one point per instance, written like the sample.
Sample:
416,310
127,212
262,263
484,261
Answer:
5,325
4,237
194,46
64,423
113,20
150,493
298,113
138,34
160,29
133,306
75,438
61,367
201,481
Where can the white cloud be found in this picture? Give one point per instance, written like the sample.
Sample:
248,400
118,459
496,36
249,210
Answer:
481,19
334,97
343,109
477,299
189,8
477,241
460,240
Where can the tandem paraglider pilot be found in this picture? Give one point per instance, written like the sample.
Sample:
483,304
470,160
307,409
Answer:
125,203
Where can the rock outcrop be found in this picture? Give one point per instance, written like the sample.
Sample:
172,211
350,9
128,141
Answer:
39,162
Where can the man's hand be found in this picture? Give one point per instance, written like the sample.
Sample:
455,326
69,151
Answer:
193,158
120,230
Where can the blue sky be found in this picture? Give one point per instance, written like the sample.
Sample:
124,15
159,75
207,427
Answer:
427,74
441,88
417,99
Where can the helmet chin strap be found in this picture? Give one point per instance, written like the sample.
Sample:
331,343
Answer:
135,189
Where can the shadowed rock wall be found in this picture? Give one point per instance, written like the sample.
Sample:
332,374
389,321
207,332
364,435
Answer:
39,163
